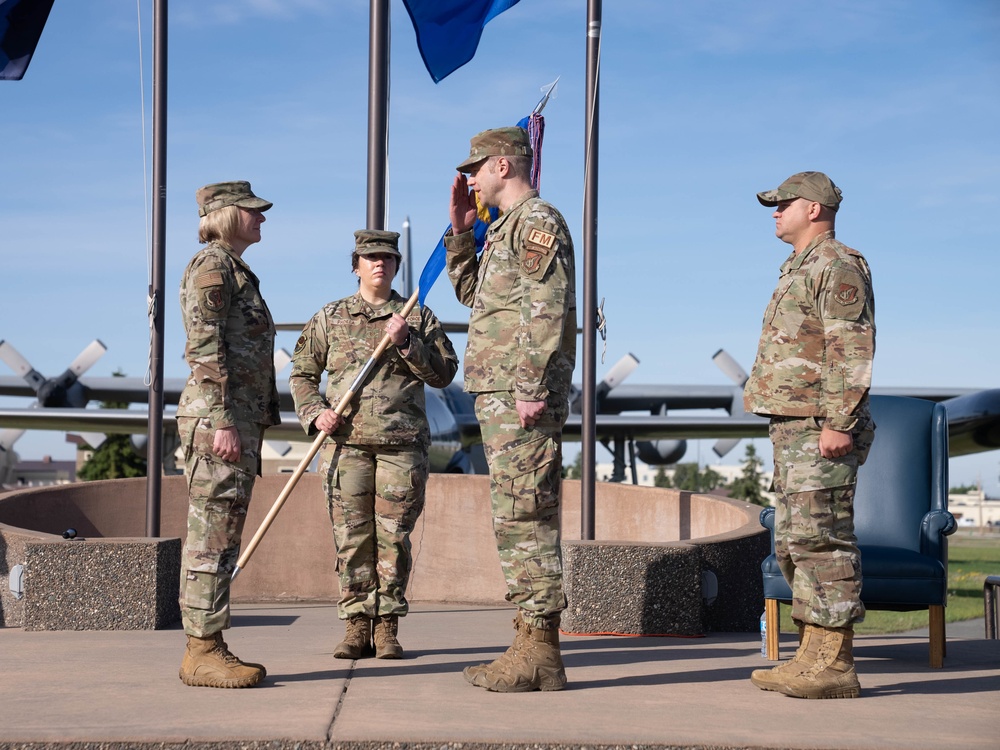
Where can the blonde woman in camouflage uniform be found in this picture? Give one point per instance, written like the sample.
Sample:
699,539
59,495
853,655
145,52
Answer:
227,403
375,464
519,360
811,376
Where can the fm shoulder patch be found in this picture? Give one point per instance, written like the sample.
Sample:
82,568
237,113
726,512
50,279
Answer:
209,278
540,240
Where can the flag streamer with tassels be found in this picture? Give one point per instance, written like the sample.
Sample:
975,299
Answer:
535,125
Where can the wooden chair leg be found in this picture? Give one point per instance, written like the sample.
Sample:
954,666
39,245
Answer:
772,621
937,635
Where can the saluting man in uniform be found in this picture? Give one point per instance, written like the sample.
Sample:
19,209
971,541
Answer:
229,399
811,377
518,361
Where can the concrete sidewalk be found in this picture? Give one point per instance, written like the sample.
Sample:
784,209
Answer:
120,689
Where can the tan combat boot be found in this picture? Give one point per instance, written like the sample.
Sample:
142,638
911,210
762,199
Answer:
208,662
810,638
832,673
519,635
247,663
357,639
384,636
533,663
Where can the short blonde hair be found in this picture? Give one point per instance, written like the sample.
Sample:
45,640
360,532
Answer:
219,225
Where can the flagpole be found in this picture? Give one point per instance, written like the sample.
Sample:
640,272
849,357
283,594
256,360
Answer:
588,436
378,111
154,442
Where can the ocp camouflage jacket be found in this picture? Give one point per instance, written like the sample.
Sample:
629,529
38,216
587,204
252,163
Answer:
389,408
818,339
522,291
230,342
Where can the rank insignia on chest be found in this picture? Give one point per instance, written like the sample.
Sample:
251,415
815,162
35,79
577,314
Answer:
847,294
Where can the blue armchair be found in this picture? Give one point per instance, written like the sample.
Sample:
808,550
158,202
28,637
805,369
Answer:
901,519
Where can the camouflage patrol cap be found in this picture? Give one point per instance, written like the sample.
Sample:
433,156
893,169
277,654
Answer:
496,142
221,194
371,241
813,186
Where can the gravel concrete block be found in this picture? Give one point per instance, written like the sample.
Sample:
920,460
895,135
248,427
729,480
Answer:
102,584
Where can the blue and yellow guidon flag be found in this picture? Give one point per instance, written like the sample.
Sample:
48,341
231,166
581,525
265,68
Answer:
535,125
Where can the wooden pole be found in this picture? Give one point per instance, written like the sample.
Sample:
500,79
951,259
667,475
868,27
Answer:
318,442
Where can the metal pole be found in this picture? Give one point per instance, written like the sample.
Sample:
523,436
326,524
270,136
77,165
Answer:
154,453
407,259
588,433
378,110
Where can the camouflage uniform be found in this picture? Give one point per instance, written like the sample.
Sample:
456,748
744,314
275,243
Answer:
230,349
522,346
813,368
375,465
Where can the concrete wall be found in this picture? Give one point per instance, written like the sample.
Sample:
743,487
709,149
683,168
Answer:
455,558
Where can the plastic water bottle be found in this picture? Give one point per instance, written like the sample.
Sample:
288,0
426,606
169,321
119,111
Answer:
763,635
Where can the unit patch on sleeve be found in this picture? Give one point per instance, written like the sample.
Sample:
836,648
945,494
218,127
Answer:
532,261
847,294
214,300
538,252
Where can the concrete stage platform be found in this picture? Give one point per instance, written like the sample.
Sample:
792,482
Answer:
117,689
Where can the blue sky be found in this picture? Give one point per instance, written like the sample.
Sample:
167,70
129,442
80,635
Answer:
702,105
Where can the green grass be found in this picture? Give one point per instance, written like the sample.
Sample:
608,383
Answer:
970,559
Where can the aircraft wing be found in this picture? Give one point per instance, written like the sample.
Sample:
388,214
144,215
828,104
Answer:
646,427
134,421
973,422
624,398
651,397
120,421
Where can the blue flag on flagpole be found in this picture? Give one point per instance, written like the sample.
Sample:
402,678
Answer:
21,24
448,31
435,263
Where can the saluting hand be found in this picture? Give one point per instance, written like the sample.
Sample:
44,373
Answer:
462,211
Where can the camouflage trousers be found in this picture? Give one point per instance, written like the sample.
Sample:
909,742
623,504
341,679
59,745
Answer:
219,494
525,474
374,494
814,540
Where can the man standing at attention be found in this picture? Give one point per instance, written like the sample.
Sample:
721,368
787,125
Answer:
518,362
811,377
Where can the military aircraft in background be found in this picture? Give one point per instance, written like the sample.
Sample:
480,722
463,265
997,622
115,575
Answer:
639,419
